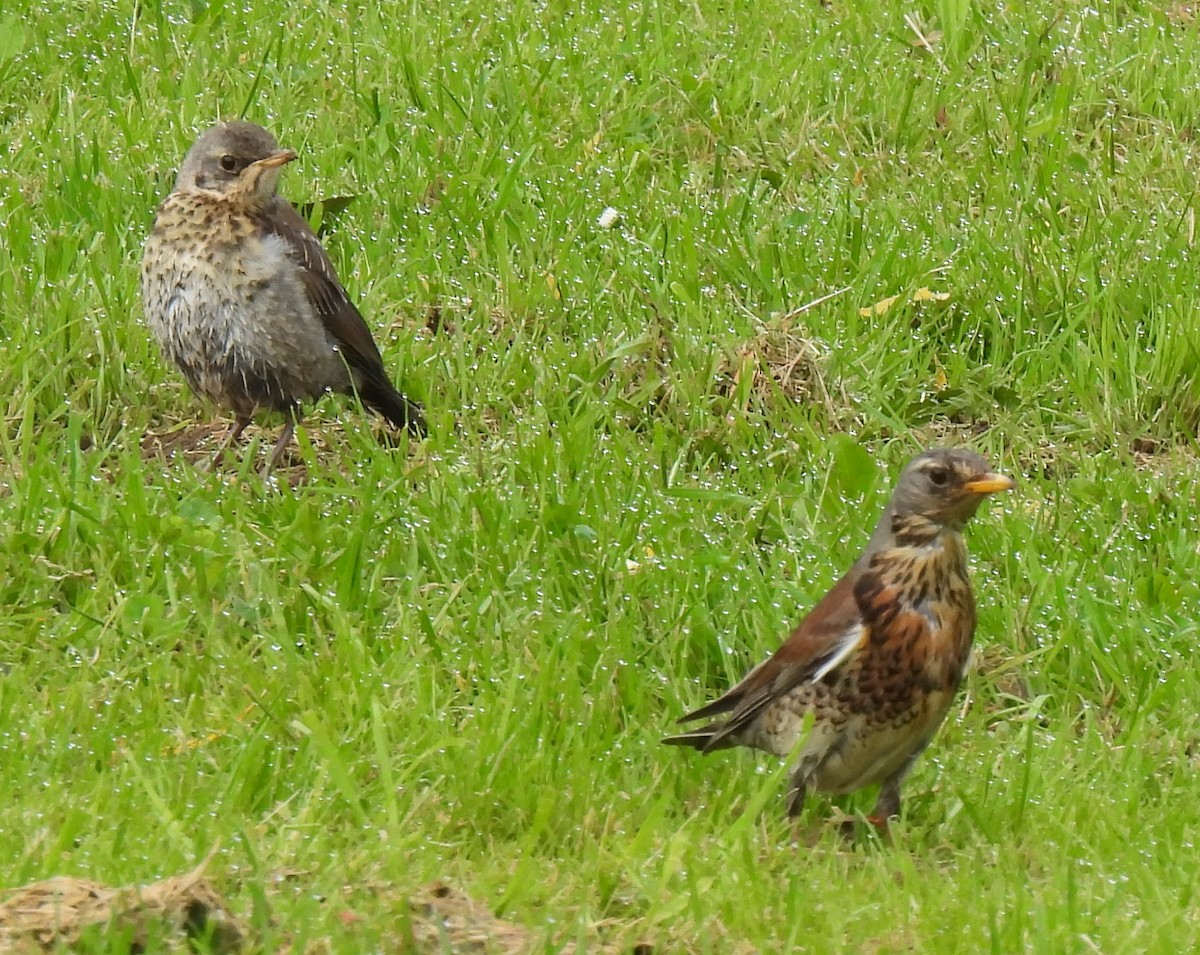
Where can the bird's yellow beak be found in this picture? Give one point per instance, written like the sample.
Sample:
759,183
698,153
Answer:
276,159
990,483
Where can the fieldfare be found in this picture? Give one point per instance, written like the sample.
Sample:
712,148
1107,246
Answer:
241,296
877,662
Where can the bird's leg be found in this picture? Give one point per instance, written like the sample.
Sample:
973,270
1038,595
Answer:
239,425
887,806
294,413
797,789
281,446
241,422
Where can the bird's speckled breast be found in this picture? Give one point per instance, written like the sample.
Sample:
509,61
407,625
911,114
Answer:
921,613
225,303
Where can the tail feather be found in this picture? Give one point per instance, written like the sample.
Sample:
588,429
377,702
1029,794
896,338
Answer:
724,704
706,739
402,412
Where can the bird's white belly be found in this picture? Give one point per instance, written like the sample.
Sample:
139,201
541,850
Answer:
240,314
860,751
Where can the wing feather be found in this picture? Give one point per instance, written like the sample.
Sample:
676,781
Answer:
821,643
342,320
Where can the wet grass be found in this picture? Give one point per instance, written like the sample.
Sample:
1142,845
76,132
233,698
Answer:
455,661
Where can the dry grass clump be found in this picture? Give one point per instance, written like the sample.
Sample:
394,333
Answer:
780,358
445,920
57,913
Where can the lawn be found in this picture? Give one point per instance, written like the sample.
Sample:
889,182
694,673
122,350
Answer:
842,233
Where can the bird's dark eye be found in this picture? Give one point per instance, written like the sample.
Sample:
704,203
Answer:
228,163
939,476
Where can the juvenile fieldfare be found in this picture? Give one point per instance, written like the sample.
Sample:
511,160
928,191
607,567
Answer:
877,662
239,293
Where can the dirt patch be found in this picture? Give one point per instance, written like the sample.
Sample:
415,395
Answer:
441,920
48,916
206,446
943,432
185,914
1162,457
191,442
1182,14
444,920
1005,674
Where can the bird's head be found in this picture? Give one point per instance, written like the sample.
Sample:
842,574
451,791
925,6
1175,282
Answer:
939,489
235,160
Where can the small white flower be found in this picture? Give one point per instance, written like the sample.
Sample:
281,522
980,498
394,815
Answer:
609,218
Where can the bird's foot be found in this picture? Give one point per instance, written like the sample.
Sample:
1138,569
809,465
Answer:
881,823
874,826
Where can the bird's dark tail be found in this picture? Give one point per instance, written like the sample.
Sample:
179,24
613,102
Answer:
707,739
399,410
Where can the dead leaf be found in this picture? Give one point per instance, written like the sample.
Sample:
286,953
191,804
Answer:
940,378
879,307
923,294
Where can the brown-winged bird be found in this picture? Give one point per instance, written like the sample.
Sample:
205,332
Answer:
877,662
241,296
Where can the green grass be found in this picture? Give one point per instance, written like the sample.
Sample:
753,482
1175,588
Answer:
439,663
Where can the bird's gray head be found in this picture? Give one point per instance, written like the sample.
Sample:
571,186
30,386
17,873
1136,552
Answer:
234,159
938,489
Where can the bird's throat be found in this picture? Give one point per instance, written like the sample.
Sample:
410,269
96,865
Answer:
915,530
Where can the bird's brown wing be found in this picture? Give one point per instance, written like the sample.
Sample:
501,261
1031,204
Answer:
341,319
859,609
818,643
338,314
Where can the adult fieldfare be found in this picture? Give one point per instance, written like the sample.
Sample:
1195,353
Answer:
240,295
877,662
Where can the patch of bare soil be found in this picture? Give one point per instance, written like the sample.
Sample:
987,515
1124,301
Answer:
1005,674
193,443
942,432
1162,457
206,446
185,914
1182,14
55,914
442,920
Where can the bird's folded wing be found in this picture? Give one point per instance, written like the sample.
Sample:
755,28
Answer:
822,641
338,314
